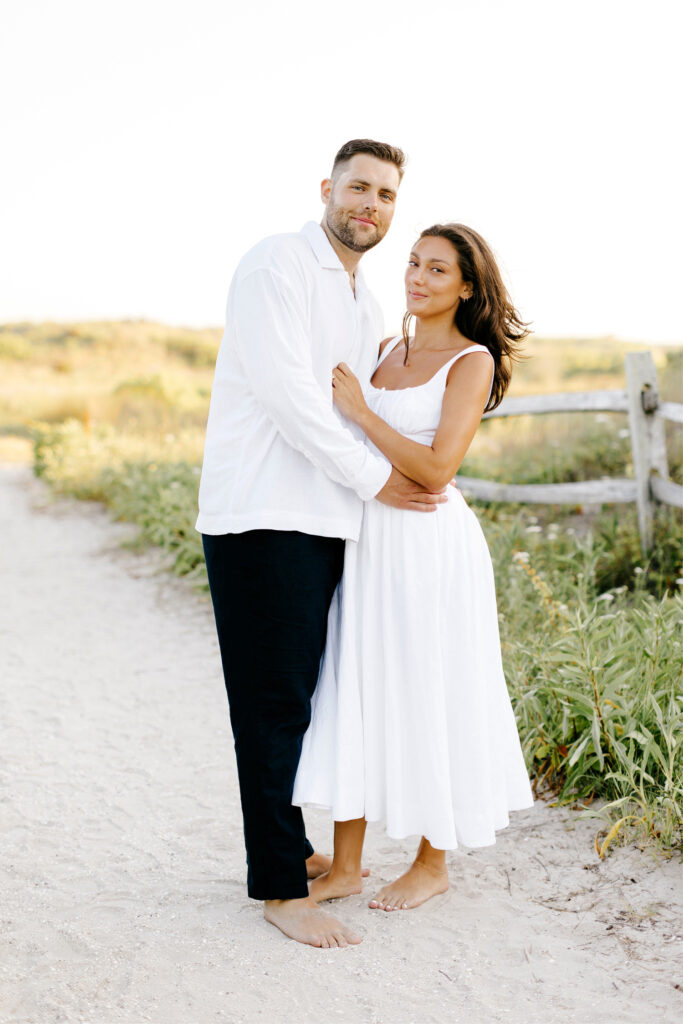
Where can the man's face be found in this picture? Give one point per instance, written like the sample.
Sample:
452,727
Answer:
360,201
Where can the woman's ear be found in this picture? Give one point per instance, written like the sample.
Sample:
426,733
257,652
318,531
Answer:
467,291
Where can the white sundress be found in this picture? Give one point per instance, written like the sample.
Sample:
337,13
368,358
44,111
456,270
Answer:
411,719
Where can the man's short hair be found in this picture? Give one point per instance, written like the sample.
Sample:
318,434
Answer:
380,150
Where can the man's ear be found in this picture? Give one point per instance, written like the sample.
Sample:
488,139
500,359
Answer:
325,189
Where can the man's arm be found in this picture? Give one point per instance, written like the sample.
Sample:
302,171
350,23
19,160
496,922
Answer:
275,350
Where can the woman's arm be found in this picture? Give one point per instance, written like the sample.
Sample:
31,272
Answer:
433,466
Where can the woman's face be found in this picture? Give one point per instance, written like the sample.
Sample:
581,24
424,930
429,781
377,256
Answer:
434,283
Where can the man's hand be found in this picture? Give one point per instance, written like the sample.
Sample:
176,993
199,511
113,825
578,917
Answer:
400,492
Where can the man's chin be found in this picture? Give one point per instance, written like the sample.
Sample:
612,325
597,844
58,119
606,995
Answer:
355,241
361,243
365,247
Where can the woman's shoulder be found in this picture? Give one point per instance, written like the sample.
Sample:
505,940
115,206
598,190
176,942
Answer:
473,367
470,348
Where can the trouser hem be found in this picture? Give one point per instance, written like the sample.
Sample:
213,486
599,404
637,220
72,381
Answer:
279,893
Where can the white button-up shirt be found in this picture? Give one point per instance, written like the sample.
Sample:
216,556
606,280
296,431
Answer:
278,455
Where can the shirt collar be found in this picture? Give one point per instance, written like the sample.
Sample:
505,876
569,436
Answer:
320,244
324,253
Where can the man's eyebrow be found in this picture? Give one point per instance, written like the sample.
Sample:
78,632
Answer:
368,184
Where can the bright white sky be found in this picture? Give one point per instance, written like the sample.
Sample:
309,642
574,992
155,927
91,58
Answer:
148,143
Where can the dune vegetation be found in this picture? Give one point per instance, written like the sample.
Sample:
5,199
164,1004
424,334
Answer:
591,630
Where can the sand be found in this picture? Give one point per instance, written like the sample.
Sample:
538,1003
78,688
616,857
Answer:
121,862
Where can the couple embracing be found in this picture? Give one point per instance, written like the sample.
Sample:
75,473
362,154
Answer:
352,585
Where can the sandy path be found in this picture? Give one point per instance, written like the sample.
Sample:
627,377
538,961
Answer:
121,863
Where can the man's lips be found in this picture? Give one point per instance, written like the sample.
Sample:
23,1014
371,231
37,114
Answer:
363,220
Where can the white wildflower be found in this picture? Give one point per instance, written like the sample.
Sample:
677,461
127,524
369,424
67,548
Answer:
533,529
520,556
607,597
638,570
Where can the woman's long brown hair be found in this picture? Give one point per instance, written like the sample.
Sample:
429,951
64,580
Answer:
488,317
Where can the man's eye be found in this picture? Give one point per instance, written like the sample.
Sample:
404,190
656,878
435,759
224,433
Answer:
385,195
358,188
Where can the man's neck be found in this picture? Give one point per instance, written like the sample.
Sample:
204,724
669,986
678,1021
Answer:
347,257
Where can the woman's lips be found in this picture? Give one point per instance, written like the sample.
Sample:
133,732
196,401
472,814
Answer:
416,295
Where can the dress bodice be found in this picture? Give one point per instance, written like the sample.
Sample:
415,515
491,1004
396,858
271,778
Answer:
414,411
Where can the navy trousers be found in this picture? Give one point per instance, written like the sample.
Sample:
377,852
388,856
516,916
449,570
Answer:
271,592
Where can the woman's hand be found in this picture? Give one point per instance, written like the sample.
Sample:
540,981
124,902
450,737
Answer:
347,393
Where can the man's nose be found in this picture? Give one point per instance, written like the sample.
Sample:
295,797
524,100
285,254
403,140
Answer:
371,201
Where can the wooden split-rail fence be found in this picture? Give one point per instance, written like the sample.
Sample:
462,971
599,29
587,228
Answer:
646,414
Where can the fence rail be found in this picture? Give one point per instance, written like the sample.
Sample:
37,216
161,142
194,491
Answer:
563,401
651,483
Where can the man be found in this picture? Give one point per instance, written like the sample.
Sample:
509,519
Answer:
283,485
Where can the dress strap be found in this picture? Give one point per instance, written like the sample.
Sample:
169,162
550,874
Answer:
465,351
389,347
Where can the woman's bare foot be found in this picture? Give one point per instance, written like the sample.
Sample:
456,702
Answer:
334,885
319,863
418,884
304,921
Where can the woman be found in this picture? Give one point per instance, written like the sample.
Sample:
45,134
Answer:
411,718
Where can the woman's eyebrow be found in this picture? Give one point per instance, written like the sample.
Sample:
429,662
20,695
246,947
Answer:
445,262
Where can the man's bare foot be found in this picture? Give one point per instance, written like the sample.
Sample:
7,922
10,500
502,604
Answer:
318,863
334,885
417,885
304,921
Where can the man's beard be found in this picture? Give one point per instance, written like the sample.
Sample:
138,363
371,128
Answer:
344,232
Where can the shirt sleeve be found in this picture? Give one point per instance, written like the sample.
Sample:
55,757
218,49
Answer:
274,347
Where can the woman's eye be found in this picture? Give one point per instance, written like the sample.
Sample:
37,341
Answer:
412,263
438,270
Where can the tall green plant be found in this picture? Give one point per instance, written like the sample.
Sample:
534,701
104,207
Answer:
598,693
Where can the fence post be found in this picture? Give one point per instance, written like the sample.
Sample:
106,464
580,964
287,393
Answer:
648,443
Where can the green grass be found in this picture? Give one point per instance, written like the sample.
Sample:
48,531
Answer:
590,630
595,675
